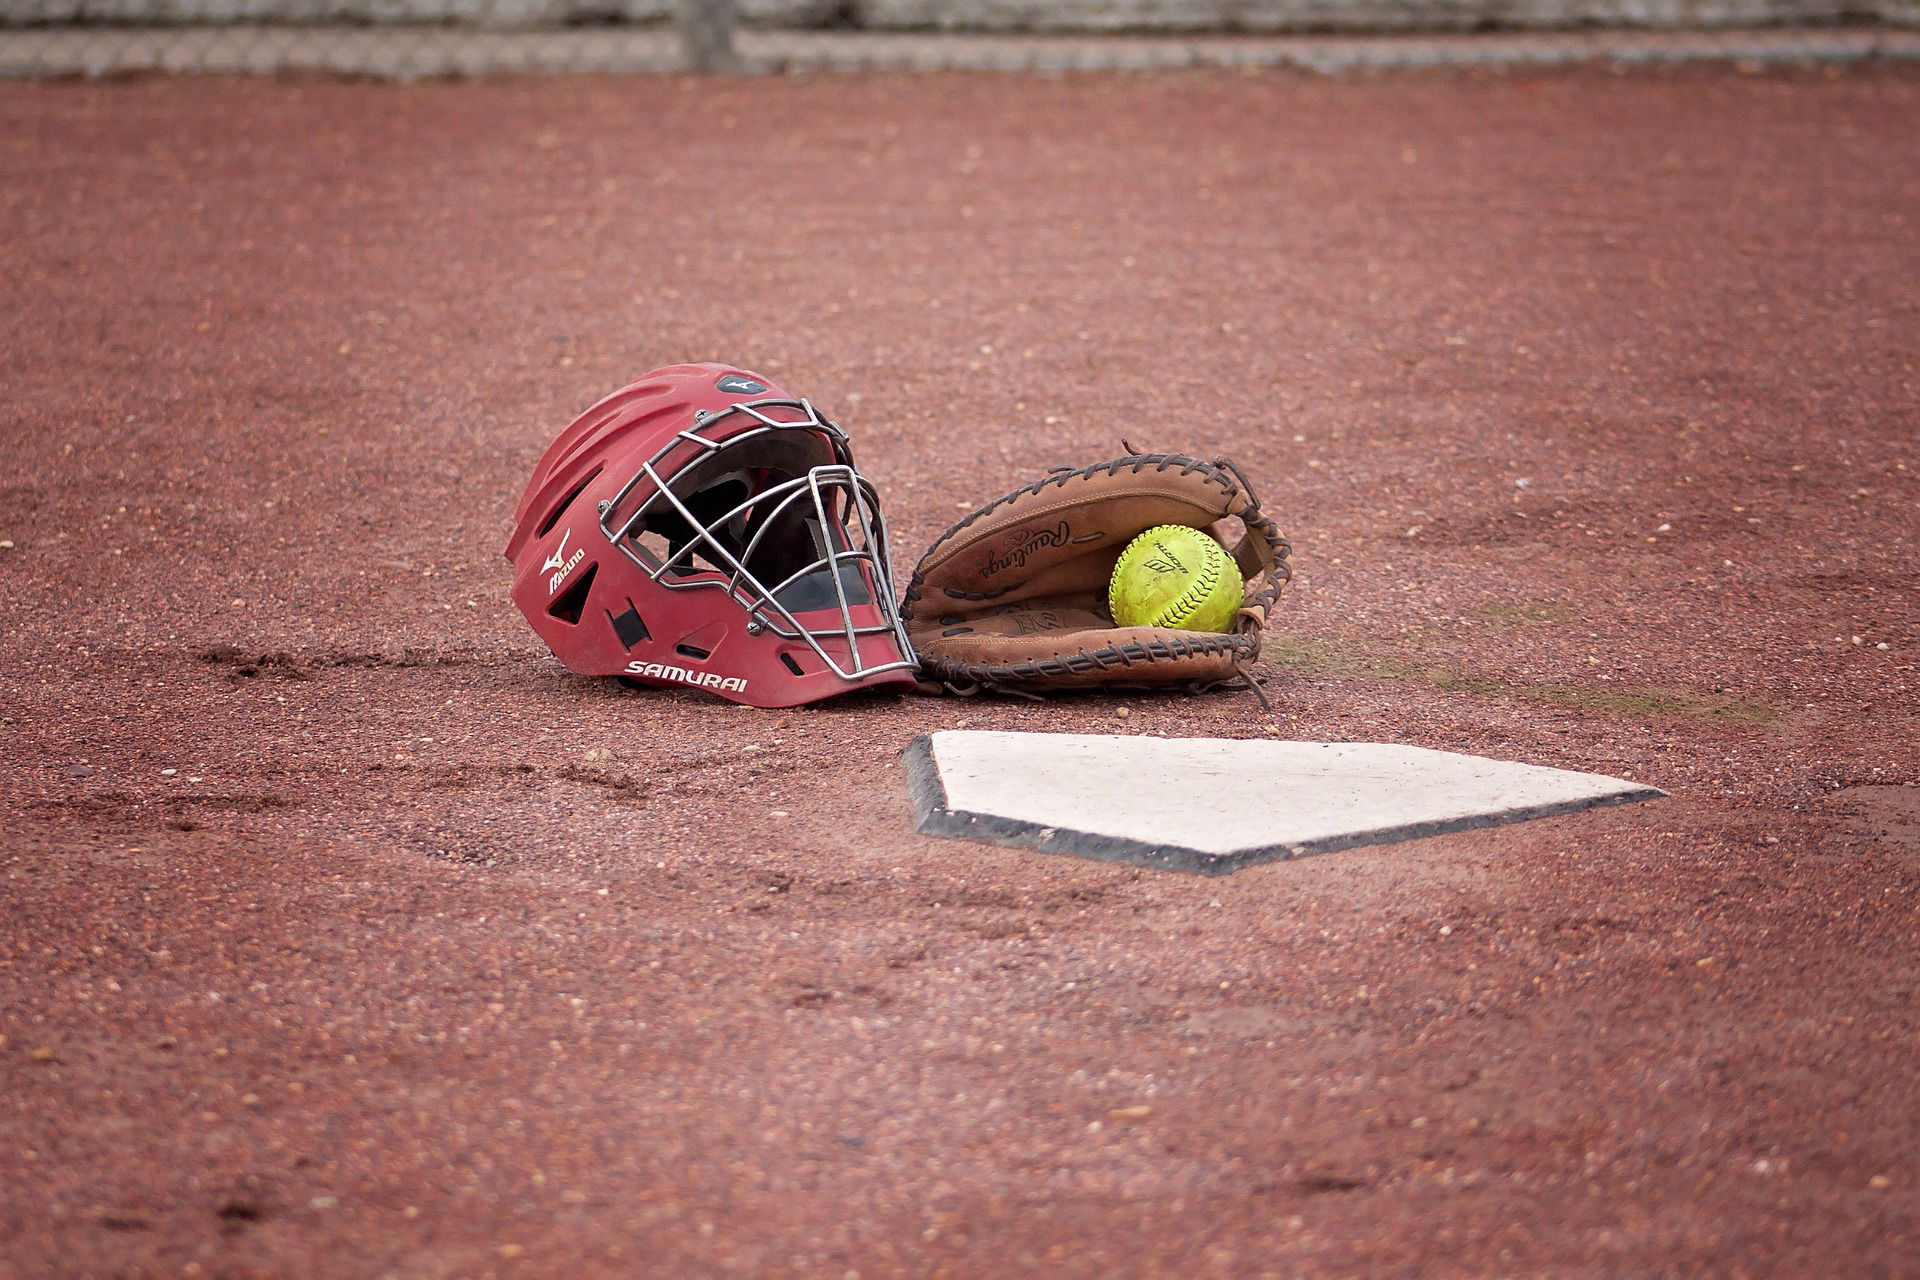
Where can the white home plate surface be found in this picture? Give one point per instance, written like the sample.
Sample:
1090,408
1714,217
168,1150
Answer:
1215,805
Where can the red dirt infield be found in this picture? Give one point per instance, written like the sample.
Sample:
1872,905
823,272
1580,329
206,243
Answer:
342,933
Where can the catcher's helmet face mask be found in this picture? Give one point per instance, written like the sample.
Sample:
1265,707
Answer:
701,528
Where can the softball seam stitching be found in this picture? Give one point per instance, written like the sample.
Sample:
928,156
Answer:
1189,602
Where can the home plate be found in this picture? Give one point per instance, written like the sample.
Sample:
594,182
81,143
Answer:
1214,805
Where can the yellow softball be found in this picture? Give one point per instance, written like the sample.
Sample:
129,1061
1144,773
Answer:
1173,576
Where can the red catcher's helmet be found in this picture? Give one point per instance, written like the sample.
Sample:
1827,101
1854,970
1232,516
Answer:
702,528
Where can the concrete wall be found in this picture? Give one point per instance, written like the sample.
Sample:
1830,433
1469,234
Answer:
482,13
1004,15
1351,15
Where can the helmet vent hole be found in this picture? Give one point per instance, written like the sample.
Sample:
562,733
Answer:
571,603
653,548
693,651
786,660
560,507
677,556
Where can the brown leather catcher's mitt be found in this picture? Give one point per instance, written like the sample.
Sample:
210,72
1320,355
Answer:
1014,597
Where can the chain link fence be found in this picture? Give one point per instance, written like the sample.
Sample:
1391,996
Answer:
415,38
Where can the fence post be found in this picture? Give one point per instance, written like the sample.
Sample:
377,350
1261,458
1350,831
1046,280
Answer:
706,35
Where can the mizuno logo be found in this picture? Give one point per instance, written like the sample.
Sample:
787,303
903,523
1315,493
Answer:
561,564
